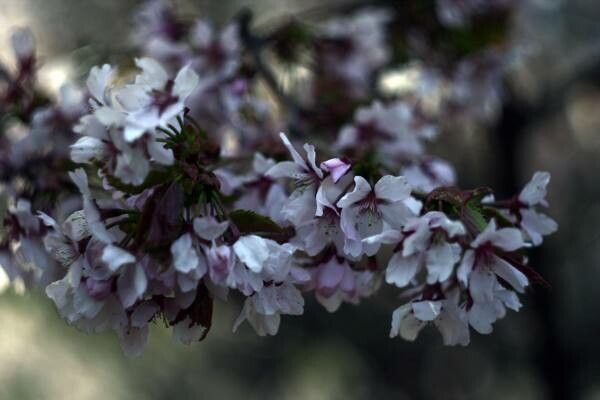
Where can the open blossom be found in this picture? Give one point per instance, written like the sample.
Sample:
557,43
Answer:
353,48
335,282
426,175
259,192
265,257
535,224
263,309
122,116
23,258
424,243
408,320
482,265
158,31
314,189
397,130
153,100
215,55
480,270
321,232
366,208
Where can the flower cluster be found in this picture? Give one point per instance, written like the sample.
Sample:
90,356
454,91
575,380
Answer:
174,195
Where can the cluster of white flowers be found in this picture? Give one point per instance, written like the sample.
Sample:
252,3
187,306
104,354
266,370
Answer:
122,131
164,214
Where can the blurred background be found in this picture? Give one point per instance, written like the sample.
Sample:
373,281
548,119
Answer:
549,350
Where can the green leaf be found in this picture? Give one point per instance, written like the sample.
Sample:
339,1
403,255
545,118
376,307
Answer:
250,222
474,214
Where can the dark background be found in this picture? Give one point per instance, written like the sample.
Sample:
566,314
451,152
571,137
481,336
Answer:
549,350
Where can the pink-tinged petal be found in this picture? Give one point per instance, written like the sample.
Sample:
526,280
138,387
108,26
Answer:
392,188
348,283
401,270
535,191
295,155
510,274
360,191
98,289
329,277
336,167
466,266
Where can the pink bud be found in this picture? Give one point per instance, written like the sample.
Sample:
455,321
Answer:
336,167
333,276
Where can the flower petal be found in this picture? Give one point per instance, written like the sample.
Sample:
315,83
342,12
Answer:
209,228
401,270
360,191
392,188
185,257
185,82
535,191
